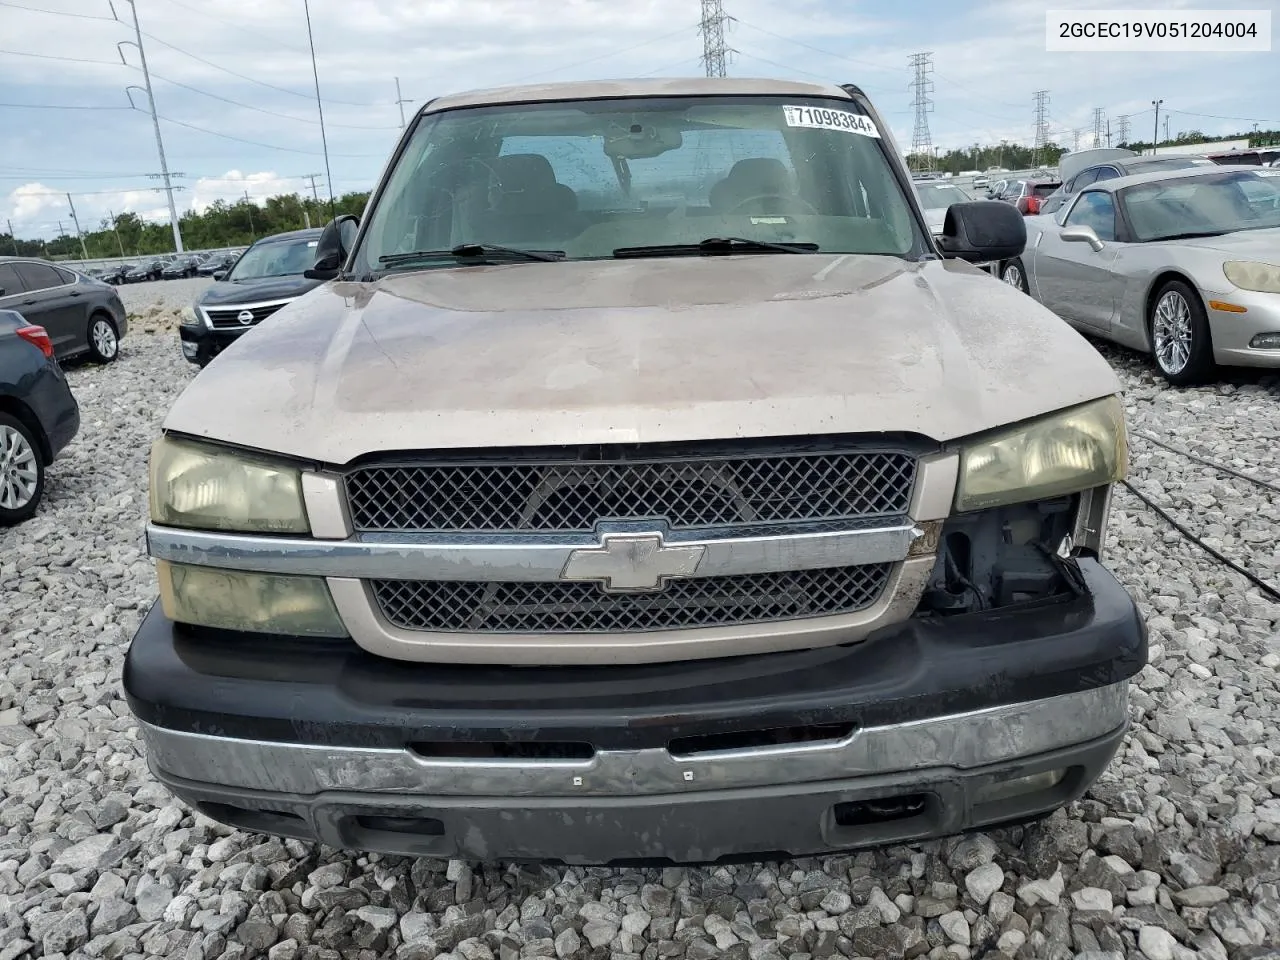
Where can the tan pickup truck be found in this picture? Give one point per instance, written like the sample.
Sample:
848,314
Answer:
645,481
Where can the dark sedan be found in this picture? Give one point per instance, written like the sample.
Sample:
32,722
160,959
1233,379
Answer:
267,276
38,415
180,267
150,270
116,273
216,263
82,315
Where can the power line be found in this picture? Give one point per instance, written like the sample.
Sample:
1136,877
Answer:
715,52
1124,129
248,79
243,29
922,86
56,13
49,56
1212,116
248,106
801,43
60,106
604,56
268,146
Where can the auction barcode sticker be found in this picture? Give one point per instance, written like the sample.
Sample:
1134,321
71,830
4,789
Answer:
823,118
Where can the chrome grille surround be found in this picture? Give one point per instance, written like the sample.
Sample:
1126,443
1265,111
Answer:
531,494
227,316
563,607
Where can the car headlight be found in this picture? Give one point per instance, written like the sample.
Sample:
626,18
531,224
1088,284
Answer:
1249,275
257,602
212,488
1065,452
189,317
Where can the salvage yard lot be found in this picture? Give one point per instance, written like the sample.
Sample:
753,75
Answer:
1175,852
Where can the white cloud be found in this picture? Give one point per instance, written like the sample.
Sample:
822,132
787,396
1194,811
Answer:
989,57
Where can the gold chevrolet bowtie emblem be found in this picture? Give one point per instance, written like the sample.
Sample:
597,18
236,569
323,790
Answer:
632,562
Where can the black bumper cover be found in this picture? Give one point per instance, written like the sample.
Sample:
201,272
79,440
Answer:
295,690
208,343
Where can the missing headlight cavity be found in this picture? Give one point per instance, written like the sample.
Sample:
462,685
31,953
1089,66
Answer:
1003,556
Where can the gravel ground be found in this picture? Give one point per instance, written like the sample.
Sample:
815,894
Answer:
1174,854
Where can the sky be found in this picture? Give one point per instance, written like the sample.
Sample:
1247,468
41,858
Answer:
235,93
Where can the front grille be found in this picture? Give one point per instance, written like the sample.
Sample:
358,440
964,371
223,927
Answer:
223,317
543,496
560,607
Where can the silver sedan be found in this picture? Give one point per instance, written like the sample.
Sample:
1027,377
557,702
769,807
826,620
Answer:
1183,265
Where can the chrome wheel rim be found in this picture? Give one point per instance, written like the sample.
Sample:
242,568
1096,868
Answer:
1171,331
19,471
104,339
1012,276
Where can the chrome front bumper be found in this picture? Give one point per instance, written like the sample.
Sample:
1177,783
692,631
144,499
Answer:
959,771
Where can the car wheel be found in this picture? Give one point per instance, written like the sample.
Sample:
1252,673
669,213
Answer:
1015,275
1180,339
104,343
21,471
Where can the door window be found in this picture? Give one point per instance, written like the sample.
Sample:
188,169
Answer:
1095,209
10,282
39,276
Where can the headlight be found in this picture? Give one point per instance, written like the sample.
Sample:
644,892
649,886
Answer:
210,488
189,317
257,602
1063,453
1248,275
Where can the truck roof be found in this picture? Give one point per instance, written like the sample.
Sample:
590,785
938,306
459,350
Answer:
649,87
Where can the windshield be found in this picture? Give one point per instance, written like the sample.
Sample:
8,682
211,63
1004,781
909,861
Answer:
937,197
591,177
1202,205
275,258
1151,166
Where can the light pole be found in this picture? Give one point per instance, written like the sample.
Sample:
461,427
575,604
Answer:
1155,133
155,120
324,140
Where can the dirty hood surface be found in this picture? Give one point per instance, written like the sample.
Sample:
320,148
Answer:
635,351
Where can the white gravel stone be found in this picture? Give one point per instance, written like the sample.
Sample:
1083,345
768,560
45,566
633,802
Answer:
96,859
983,881
1156,943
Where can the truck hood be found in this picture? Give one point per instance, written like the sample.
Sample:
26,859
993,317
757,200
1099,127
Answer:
255,291
635,351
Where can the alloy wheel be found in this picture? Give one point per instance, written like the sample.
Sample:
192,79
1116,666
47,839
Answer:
1012,276
104,339
19,471
1171,332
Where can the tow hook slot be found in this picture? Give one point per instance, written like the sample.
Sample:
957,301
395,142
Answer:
684,748
869,813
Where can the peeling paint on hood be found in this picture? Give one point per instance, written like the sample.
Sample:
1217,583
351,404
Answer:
646,350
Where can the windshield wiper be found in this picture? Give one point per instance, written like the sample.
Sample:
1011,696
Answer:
474,252
1191,235
713,246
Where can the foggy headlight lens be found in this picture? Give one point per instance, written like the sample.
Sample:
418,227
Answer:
1063,453
189,318
210,488
256,602
1247,275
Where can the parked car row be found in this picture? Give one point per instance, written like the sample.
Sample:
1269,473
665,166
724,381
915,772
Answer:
1180,261
170,267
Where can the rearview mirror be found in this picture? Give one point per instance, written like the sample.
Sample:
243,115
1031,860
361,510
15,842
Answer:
982,230
219,274
333,247
1081,234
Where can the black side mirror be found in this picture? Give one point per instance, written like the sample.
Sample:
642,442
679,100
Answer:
983,230
219,274
333,247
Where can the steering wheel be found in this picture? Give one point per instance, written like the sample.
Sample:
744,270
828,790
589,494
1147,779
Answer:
786,201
